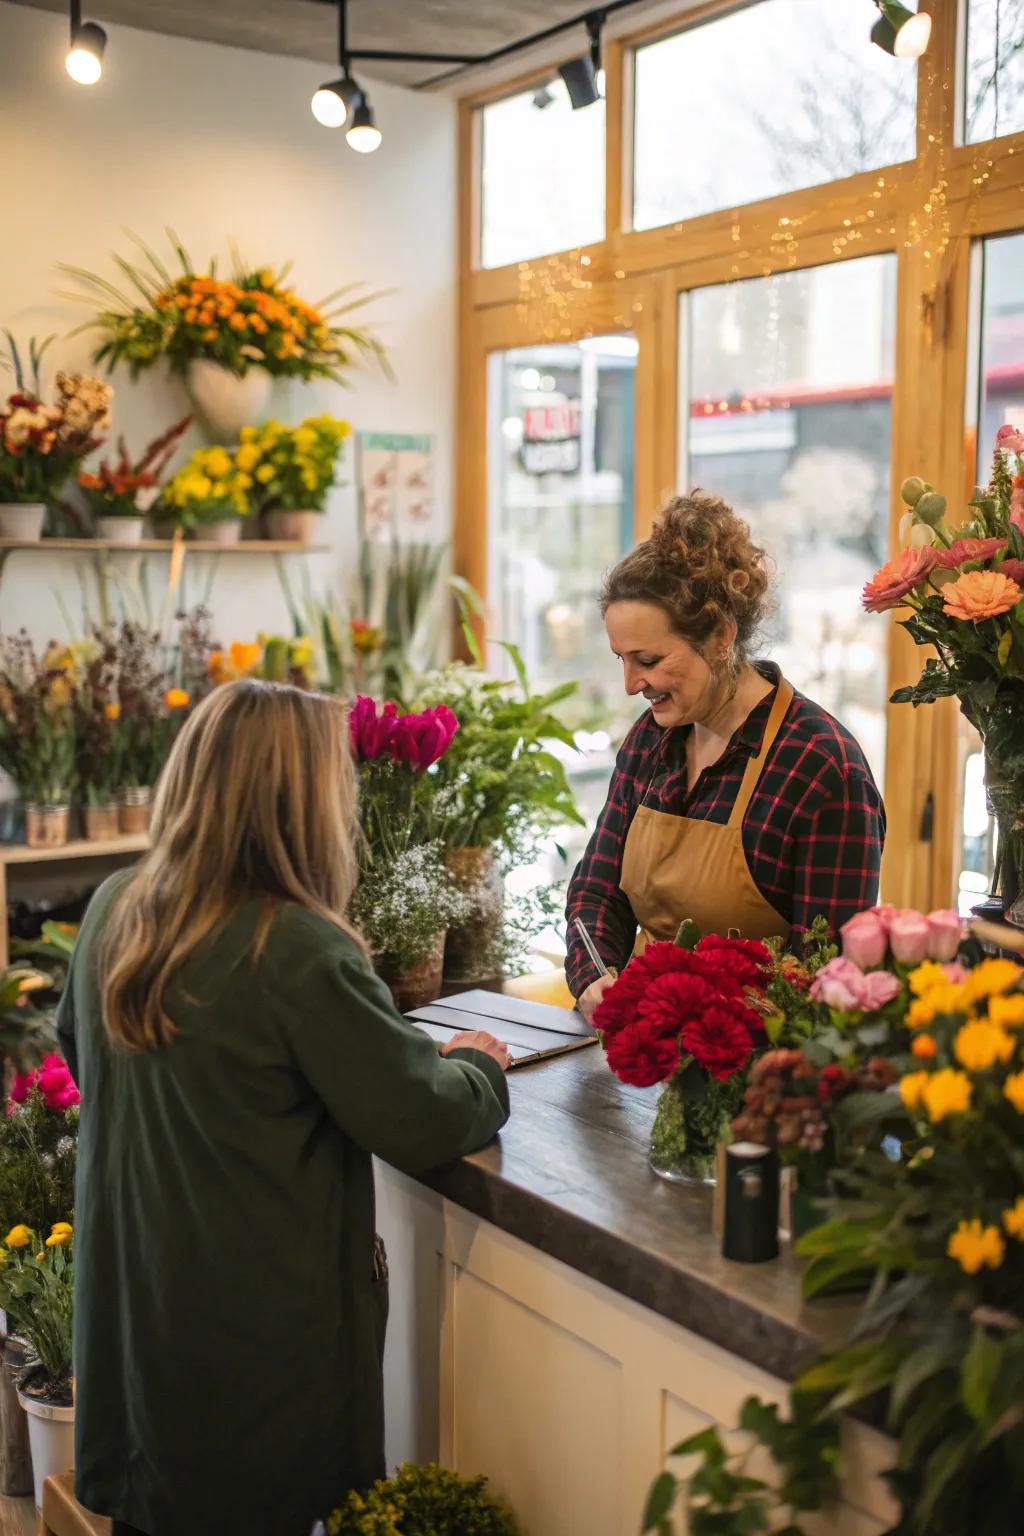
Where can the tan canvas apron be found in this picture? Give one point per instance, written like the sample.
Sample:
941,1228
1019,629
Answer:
675,867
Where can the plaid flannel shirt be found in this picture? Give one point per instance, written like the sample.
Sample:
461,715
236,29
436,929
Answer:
812,834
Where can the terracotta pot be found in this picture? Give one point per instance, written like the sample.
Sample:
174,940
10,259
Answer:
22,520
412,986
300,526
120,530
46,826
134,808
227,531
225,402
102,822
470,946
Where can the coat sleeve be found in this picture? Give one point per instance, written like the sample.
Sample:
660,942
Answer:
383,1081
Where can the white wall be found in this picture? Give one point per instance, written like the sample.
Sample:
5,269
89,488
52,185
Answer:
220,143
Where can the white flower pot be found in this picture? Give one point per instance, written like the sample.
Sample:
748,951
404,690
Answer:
22,520
51,1436
225,401
291,525
228,531
120,530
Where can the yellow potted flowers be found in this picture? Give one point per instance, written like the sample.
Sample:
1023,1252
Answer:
293,469
210,495
37,1293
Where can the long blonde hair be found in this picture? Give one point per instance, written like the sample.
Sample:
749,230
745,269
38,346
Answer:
258,799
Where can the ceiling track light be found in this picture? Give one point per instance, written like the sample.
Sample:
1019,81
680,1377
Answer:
345,101
581,75
84,62
899,31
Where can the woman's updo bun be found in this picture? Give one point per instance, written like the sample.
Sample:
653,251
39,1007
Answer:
701,566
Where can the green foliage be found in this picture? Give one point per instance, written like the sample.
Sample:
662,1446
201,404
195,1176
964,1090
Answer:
423,1501
26,1030
38,1150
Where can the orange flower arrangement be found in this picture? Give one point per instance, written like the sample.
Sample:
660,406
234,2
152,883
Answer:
978,595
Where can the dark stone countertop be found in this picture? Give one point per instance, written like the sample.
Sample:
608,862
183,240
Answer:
569,1175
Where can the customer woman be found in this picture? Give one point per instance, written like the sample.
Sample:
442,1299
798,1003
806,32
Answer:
239,1063
735,801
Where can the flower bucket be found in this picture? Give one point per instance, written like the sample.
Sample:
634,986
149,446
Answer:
134,808
299,526
101,822
224,401
51,1435
470,947
227,531
46,826
412,986
120,530
22,520
15,1456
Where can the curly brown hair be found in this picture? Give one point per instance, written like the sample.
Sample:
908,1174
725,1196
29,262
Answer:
701,567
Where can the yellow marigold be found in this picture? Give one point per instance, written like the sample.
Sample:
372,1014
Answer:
980,1044
1013,1089
265,473
210,335
912,1088
1013,1219
947,1093
18,1237
1007,1011
244,657
112,711
947,997
217,463
924,1047
973,1246
990,977
176,698
238,321
62,1226
182,301
927,975
58,1239
247,457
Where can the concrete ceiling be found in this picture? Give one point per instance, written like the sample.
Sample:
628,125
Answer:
307,29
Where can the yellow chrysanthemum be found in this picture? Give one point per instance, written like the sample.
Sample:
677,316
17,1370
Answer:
946,997
58,1239
1013,1089
18,1237
912,1088
927,975
247,456
973,1246
265,473
62,1226
1013,1219
980,1044
217,463
1007,1011
990,977
947,1093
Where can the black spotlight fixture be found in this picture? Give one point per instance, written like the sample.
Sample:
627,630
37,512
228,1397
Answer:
84,62
344,101
899,31
580,75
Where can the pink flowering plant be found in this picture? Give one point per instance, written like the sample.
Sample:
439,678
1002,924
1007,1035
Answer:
38,1147
964,589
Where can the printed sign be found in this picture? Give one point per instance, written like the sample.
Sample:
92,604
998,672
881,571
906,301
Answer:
551,438
396,487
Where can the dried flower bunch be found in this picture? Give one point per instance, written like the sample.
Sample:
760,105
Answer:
41,444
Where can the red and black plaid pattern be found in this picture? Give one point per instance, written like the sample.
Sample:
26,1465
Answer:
812,834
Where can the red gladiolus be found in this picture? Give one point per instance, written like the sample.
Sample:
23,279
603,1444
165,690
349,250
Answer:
719,1039
641,1057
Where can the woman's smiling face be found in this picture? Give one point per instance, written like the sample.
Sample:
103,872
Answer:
673,677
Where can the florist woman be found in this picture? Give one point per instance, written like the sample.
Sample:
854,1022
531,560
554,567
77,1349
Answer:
239,1062
735,801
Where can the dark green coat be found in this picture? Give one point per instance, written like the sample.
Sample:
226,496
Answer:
228,1330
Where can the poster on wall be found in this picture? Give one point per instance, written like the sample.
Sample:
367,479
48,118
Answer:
396,488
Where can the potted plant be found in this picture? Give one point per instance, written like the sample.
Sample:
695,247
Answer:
38,1143
228,337
121,492
403,906
150,709
421,1500
37,1293
209,496
294,468
97,737
40,444
37,735
965,589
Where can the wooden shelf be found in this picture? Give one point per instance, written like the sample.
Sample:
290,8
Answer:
164,546
21,853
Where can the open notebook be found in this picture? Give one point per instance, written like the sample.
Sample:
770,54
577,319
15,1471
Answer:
532,1031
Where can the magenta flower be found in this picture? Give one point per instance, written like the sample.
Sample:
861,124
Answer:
54,1082
420,740
371,733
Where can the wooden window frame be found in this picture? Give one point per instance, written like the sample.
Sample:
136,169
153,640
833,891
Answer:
929,211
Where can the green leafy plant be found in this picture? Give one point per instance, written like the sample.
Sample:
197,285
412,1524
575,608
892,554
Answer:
37,1287
37,736
38,1153
26,1030
423,1501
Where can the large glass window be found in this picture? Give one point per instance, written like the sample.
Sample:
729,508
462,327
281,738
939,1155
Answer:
561,512
543,175
787,384
994,96
773,96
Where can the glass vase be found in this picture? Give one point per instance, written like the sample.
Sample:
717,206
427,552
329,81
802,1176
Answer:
683,1149
1005,796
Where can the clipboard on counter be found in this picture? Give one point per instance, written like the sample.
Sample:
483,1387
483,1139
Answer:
532,1031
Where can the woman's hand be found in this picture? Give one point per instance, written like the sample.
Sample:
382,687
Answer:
587,1001
479,1040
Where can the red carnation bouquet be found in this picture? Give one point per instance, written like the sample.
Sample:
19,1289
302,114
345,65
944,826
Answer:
689,1015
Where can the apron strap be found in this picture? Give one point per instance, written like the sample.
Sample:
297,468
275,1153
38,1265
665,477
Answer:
755,767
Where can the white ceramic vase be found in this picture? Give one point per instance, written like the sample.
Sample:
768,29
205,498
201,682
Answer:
22,520
225,402
120,530
51,1436
300,526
